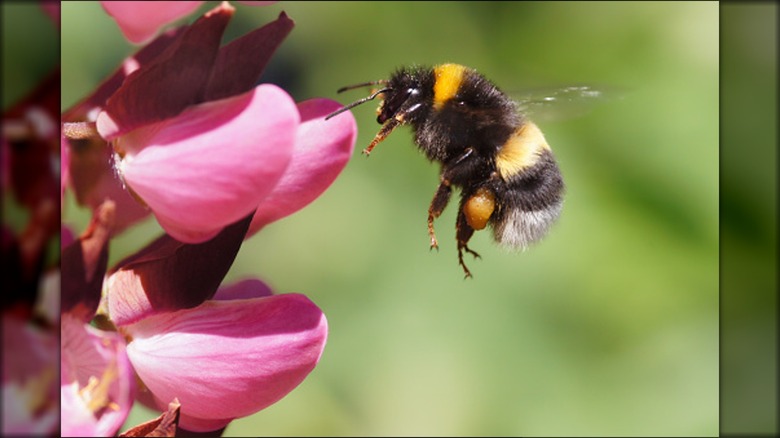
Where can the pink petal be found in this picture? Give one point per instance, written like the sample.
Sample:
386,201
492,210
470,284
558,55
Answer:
322,149
88,169
78,419
228,359
213,164
258,3
34,350
29,368
248,288
88,353
139,21
18,420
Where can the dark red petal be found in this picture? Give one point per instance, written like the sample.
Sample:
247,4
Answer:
31,174
169,275
174,81
240,63
84,264
92,178
143,57
166,424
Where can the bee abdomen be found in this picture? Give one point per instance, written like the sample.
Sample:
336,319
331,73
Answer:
518,229
521,151
531,202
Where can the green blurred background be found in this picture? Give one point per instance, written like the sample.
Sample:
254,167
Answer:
608,327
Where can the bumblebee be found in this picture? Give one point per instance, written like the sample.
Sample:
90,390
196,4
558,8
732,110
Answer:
505,170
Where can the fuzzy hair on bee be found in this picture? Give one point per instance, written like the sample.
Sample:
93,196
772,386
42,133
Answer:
500,161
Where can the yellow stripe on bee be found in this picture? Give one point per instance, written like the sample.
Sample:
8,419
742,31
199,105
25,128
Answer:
521,151
448,78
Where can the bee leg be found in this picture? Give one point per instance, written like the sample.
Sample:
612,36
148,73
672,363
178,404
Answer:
443,192
386,129
463,234
439,202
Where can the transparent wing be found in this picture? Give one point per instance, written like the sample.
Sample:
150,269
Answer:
561,103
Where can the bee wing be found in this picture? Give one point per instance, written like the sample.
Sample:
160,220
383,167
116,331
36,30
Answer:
562,103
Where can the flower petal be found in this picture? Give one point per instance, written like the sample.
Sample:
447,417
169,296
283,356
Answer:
173,81
164,425
30,153
92,104
88,166
322,149
95,364
139,21
29,364
258,3
213,164
228,359
168,275
240,63
248,288
83,265
77,418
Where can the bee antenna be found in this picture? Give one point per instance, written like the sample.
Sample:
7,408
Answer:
364,84
358,102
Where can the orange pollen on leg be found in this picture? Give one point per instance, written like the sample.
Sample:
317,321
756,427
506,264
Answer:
479,208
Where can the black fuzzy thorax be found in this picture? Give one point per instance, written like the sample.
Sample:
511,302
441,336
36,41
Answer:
480,117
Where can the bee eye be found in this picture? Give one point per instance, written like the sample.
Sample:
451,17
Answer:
461,103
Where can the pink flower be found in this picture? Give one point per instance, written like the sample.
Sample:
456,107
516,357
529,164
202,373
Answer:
96,378
140,21
182,170
29,378
201,355
168,275
29,165
182,130
192,341
212,164
217,147
322,149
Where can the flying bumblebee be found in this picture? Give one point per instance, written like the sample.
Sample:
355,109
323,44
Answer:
505,170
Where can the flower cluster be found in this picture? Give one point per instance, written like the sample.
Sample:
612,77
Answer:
29,170
183,131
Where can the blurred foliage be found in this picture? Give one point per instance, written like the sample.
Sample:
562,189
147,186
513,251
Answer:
608,327
29,48
29,53
748,216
